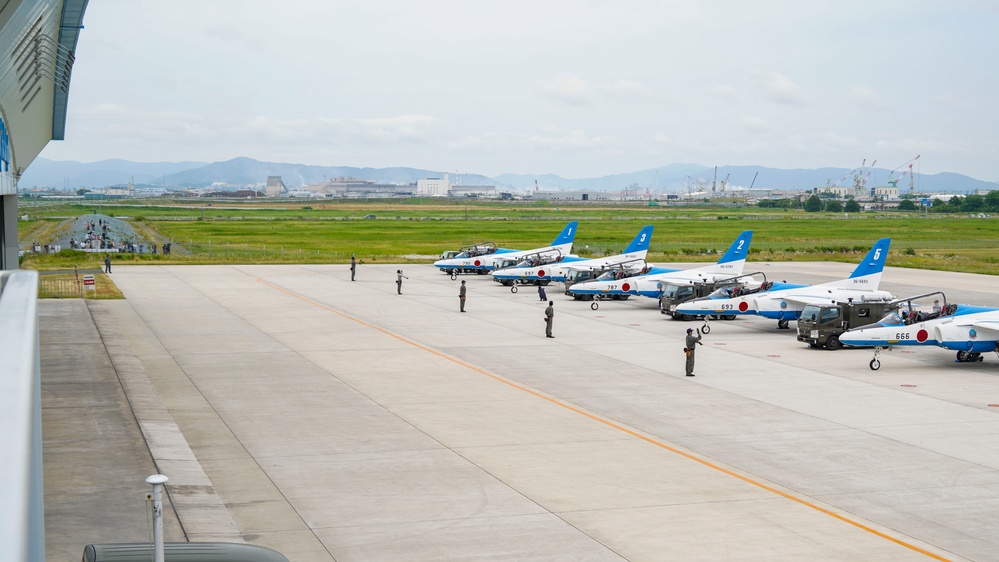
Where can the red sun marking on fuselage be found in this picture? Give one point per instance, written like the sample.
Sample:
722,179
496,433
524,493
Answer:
541,273
626,287
921,336
743,306
478,263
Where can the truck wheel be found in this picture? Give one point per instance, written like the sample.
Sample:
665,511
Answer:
594,305
833,343
728,317
782,324
875,364
625,297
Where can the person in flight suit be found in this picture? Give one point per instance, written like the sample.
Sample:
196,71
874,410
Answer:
461,296
549,317
689,344
398,280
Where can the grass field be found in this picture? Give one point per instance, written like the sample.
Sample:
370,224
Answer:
417,230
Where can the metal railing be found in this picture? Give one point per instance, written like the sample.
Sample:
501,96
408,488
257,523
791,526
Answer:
60,288
22,501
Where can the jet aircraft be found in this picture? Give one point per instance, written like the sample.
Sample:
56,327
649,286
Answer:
481,258
651,284
783,302
557,271
969,330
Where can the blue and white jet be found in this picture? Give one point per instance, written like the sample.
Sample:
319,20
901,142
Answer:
651,284
482,258
969,330
783,302
638,248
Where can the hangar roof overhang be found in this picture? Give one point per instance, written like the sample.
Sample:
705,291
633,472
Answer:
70,24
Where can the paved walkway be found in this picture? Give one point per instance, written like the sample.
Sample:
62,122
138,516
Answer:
333,420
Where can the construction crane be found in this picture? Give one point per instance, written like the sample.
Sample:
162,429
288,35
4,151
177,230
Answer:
912,183
860,178
714,182
724,183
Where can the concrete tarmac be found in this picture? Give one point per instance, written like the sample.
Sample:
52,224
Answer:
337,420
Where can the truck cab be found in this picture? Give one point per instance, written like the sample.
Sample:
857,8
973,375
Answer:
821,325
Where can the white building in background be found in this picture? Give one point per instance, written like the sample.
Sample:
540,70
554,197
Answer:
887,193
434,187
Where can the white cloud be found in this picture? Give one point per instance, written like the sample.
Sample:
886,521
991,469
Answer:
568,89
782,90
867,98
756,124
627,87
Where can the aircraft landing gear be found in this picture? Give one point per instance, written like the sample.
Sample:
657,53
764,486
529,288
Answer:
969,357
454,274
705,328
513,288
782,324
594,305
875,364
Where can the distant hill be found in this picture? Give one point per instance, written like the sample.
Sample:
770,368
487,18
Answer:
674,178
247,171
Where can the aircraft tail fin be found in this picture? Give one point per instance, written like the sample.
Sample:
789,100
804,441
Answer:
641,242
874,262
867,274
739,248
567,235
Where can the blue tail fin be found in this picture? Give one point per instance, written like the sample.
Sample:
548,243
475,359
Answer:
874,261
739,249
641,242
567,236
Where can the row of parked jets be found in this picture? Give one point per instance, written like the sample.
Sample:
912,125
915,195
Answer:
969,330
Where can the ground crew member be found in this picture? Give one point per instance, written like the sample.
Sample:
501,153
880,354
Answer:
461,296
549,316
541,292
689,344
398,280
107,263
353,267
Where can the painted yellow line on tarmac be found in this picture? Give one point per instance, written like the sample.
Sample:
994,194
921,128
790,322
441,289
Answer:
606,422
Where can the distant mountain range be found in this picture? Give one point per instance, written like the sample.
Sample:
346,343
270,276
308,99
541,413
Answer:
240,172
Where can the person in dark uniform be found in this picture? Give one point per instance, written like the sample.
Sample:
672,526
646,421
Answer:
107,263
549,316
353,267
461,296
398,280
541,292
689,344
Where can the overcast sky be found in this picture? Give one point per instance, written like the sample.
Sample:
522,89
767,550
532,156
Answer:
576,88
